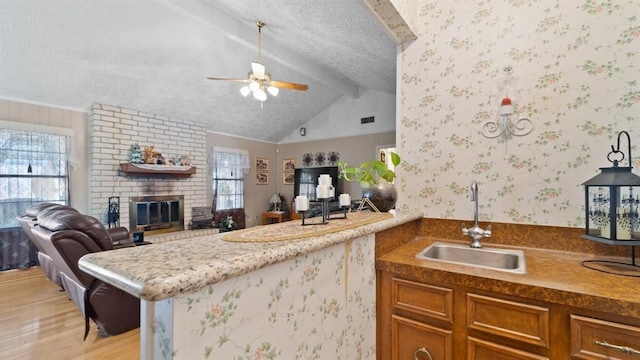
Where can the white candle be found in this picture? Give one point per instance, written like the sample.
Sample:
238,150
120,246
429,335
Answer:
623,232
322,191
324,179
332,192
302,203
345,199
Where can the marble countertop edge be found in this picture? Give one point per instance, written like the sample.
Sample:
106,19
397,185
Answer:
160,271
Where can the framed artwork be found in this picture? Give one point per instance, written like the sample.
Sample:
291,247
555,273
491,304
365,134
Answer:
262,178
262,164
288,178
289,164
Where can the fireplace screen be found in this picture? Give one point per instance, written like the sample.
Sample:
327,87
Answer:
156,213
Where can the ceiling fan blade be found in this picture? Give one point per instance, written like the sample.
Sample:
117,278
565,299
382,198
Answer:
229,79
288,85
258,70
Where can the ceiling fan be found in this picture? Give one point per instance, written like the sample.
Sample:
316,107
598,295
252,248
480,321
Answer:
259,79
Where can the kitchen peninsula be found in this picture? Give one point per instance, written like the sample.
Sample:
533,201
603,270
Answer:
207,297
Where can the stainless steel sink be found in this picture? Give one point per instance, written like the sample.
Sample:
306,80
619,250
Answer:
496,259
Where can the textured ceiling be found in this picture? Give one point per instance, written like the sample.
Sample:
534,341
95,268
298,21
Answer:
155,56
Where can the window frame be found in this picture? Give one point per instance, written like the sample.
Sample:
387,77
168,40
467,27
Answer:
32,155
236,178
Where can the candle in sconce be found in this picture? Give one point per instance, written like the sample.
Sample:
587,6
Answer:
345,199
302,203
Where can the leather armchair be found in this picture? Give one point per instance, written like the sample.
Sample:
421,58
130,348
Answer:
27,222
67,236
119,236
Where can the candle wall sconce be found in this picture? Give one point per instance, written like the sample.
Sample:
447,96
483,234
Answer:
611,204
507,123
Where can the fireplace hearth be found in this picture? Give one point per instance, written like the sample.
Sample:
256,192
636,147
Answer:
156,214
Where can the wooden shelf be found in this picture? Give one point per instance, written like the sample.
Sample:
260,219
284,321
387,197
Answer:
157,170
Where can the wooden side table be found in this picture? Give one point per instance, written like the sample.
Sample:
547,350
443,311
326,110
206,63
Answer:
275,216
294,215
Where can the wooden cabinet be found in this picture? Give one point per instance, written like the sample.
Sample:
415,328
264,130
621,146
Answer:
456,323
416,340
508,319
453,321
486,350
600,339
412,339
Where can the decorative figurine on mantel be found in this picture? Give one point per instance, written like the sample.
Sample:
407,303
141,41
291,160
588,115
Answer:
136,154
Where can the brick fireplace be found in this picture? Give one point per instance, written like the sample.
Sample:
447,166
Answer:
112,132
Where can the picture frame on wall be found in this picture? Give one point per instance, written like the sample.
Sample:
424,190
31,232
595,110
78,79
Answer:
288,164
288,177
262,178
262,164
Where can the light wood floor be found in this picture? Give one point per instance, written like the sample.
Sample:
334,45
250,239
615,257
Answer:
38,321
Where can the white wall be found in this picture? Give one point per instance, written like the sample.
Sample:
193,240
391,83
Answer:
342,118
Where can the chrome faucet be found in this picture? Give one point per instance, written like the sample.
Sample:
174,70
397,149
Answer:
476,232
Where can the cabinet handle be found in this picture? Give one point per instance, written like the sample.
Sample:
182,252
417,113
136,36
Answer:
421,351
624,349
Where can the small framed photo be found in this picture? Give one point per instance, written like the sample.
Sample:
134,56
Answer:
262,164
262,178
289,164
288,178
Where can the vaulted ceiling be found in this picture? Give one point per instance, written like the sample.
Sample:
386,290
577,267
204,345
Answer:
155,56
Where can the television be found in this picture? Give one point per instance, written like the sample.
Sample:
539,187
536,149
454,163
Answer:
306,180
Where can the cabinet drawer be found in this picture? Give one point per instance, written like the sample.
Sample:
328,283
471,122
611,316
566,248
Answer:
513,320
409,336
428,300
486,350
599,339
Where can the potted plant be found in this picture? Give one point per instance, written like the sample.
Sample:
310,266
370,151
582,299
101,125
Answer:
376,180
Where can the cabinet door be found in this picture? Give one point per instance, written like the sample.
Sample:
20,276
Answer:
509,319
485,350
409,336
599,339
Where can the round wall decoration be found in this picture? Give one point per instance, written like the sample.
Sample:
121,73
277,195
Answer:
307,159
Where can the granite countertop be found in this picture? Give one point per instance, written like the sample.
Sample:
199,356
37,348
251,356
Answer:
160,271
552,276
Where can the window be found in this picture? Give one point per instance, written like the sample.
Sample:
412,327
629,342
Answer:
33,169
229,166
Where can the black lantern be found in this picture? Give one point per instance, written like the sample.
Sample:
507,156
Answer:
611,201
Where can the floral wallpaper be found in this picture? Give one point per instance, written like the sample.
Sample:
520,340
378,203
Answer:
318,306
577,69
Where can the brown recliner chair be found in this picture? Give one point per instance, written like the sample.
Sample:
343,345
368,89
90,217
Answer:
67,236
119,236
30,219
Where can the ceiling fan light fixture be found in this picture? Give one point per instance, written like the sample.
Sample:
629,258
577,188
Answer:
254,86
273,90
260,95
259,78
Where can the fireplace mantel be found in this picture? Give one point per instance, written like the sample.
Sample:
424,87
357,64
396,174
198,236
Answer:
157,170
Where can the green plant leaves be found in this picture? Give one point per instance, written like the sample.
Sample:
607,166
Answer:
369,173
